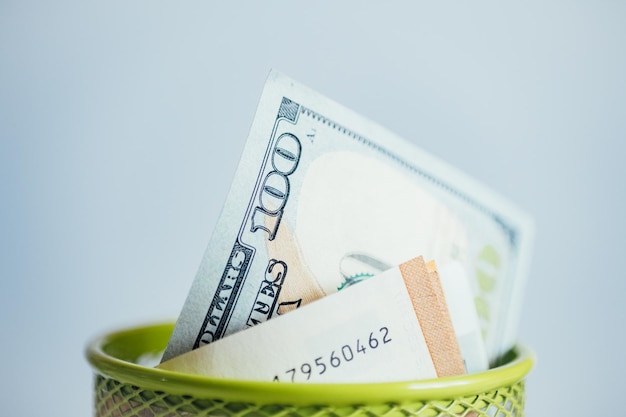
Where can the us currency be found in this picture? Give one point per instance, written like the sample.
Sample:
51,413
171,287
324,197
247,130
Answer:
392,327
324,198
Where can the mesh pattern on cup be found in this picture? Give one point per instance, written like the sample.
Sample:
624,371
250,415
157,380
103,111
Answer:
116,399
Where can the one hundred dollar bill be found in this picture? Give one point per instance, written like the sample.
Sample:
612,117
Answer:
324,198
392,327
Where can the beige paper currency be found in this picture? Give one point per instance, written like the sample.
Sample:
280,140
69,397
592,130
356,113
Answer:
392,327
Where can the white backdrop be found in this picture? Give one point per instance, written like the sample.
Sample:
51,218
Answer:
121,124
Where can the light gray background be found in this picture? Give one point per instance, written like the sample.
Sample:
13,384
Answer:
121,124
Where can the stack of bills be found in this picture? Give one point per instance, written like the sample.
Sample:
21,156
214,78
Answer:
346,254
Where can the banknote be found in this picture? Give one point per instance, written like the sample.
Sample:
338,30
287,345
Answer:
323,199
392,327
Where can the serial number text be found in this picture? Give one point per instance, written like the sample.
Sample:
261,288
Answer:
336,358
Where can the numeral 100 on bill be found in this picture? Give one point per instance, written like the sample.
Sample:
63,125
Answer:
336,358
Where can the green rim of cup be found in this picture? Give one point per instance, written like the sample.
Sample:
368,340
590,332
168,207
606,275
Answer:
115,354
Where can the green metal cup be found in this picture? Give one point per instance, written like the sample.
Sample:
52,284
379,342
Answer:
125,387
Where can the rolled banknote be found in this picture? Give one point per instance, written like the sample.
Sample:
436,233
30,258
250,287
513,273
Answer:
392,327
324,198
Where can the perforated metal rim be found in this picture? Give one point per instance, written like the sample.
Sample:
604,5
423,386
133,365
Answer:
99,354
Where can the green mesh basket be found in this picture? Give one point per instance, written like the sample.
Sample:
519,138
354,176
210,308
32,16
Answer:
125,387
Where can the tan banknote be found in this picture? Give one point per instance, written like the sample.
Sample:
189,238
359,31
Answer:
322,199
392,327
